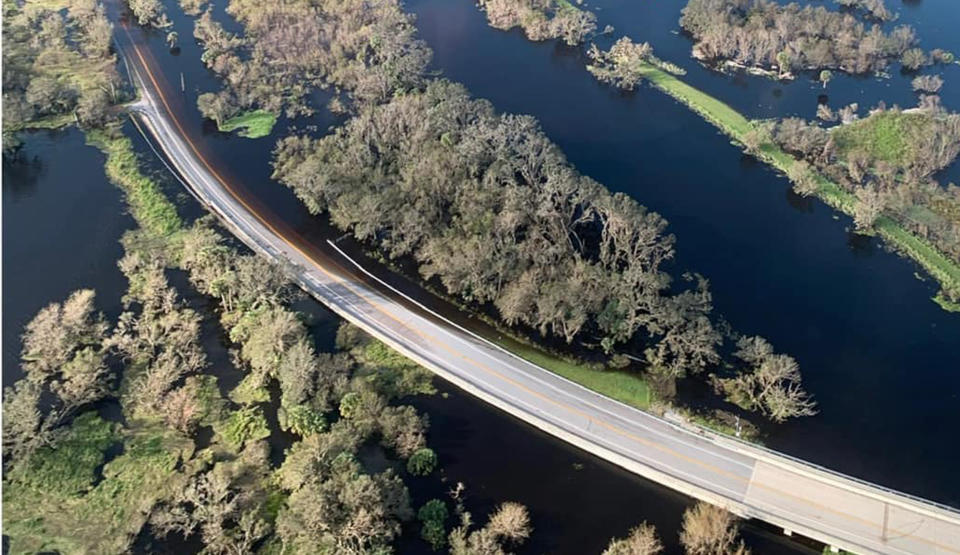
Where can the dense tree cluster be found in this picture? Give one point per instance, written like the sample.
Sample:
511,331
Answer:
542,19
488,205
765,33
888,162
333,507
274,345
225,505
70,358
56,63
240,283
224,495
160,345
292,48
316,388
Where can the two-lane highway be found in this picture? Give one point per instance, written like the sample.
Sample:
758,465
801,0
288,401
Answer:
749,481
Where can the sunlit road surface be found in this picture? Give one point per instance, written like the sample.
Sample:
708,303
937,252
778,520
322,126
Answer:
750,481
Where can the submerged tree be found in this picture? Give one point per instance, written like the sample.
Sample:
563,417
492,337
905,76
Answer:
642,540
710,530
509,524
914,58
434,515
149,12
927,83
59,332
65,368
870,204
770,386
825,77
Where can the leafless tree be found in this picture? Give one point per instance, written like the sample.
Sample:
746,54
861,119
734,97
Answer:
710,530
771,385
927,83
642,540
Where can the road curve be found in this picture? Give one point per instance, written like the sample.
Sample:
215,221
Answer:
750,481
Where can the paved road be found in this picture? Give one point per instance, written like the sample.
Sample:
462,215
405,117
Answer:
747,480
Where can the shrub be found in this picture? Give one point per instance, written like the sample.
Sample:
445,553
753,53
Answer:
247,424
433,515
302,420
422,462
350,404
914,58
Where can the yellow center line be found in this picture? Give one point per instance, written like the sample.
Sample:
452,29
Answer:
380,310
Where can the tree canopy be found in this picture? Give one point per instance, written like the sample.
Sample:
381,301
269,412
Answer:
764,33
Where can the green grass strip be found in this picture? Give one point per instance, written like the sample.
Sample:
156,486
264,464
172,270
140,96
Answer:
149,206
626,387
716,112
940,267
253,125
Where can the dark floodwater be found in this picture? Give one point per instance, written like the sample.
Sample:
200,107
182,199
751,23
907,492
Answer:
577,501
880,357
62,222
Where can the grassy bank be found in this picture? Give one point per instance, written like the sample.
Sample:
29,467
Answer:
148,205
627,387
48,122
716,112
630,388
735,125
253,125
940,267
888,136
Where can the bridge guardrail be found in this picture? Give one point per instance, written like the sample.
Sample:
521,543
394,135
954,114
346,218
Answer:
716,435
